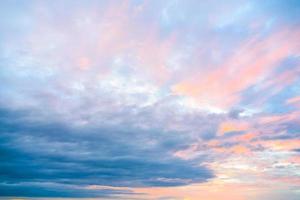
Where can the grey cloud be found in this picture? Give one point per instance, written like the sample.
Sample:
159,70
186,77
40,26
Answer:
61,154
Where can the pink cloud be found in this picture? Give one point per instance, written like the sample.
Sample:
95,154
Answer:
251,63
280,118
295,101
88,44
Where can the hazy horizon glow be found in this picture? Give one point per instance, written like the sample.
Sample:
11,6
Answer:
150,99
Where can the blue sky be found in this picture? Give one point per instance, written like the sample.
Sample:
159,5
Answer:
166,100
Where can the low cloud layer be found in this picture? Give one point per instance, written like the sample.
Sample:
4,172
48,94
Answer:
41,152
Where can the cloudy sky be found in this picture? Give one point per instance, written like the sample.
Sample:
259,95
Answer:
150,99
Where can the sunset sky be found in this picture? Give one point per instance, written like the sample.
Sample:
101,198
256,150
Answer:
150,99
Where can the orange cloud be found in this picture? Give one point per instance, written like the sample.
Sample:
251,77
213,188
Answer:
239,149
286,145
193,192
233,125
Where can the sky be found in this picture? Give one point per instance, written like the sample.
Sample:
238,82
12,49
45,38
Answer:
150,99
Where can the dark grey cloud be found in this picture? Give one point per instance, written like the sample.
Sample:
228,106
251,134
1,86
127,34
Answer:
56,190
50,152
